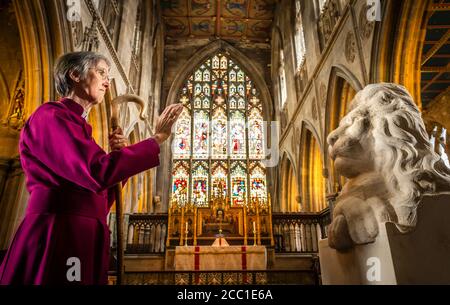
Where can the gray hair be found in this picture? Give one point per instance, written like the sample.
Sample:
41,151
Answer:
79,62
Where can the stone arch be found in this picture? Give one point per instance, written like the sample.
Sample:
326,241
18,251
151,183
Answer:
310,126
40,47
289,185
11,66
311,170
277,44
250,68
342,87
35,19
402,29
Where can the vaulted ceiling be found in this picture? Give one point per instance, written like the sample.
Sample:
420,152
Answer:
232,20
436,53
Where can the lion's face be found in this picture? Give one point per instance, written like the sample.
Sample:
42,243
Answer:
350,145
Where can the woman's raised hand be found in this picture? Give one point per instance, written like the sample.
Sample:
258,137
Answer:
165,122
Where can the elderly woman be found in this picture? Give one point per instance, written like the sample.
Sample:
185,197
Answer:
70,180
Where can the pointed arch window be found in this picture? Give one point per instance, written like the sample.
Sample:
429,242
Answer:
299,37
282,80
218,144
136,60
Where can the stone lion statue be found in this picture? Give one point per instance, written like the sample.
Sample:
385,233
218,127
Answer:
383,150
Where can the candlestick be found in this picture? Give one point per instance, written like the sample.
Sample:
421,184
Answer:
186,238
254,233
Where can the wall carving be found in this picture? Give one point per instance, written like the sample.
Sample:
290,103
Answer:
90,41
365,26
296,139
15,118
314,110
109,44
283,118
327,21
77,33
350,47
323,94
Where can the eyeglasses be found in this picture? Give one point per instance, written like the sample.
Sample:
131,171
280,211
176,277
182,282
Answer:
103,74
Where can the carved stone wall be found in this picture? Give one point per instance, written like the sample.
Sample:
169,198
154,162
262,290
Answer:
337,38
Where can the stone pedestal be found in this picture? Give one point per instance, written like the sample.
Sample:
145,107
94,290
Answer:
418,257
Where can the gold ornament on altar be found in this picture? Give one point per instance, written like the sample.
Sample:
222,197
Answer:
220,220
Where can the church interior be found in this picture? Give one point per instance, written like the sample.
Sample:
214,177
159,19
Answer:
247,172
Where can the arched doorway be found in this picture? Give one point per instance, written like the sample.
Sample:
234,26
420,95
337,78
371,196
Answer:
289,189
313,182
343,88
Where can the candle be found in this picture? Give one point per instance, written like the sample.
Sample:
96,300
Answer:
254,227
186,226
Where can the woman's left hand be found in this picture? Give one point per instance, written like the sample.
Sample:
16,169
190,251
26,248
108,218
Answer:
117,140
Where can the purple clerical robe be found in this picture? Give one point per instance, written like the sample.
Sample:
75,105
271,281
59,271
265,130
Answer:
70,180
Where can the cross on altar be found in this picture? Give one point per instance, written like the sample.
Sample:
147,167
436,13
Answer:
184,100
254,100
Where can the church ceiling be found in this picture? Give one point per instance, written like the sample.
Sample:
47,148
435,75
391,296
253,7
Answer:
235,20
435,74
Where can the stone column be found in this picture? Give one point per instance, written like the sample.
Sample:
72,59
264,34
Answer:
4,169
13,201
331,200
163,178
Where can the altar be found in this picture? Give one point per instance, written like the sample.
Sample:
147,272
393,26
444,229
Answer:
204,258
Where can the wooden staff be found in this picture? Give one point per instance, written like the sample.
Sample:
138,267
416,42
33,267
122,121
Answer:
118,187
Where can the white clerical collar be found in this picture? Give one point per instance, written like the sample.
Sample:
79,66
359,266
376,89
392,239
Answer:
85,114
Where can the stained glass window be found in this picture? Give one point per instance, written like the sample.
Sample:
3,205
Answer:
219,134
219,180
237,135
219,138
200,183
255,134
238,183
180,182
182,139
201,133
258,181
